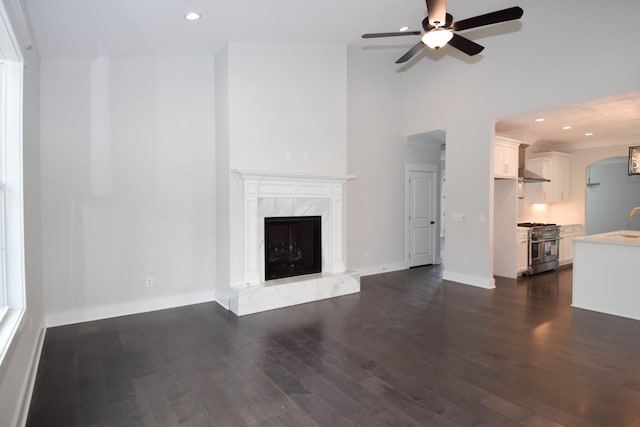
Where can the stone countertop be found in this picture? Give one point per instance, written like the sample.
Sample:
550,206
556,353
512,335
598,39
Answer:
620,237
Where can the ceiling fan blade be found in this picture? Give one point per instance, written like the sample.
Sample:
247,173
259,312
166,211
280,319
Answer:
396,33
503,15
411,53
436,12
465,45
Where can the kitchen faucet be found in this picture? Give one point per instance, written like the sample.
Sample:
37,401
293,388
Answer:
633,211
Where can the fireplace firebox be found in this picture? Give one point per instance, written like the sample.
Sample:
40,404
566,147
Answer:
293,246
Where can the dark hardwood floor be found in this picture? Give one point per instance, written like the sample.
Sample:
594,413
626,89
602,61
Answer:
410,349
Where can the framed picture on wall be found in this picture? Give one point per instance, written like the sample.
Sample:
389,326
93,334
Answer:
634,160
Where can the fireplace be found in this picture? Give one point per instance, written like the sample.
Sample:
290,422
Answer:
257,198
293,246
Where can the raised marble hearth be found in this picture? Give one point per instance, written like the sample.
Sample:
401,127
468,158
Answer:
292,291
286,195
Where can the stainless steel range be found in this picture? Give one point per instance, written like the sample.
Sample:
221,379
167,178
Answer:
543,246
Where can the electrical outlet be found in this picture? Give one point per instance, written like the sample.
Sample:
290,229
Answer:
148,281
466,262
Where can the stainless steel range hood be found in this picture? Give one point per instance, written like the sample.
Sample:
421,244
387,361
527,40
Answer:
524,174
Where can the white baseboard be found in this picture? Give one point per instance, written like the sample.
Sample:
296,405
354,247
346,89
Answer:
88,314
223,298
30,380
383,268
467,279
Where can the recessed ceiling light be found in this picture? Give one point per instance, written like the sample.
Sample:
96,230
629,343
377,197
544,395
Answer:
566,127
588,134
192,16
403,29
538,120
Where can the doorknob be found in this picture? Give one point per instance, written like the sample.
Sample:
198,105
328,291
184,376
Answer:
433,222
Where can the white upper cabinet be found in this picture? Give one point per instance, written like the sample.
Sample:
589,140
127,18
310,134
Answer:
556,167
505,158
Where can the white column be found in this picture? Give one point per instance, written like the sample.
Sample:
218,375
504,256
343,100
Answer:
251,273
337,225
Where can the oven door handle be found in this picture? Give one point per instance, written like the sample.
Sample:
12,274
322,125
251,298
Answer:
545,240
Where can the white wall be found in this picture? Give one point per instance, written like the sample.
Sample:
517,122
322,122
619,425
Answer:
18,369
574,211
222,179
127,185
288,97
377,154
375,203
553,58
609,204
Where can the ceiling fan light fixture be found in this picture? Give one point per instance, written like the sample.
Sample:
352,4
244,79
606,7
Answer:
437,38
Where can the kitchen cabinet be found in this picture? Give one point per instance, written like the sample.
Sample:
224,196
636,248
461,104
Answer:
523,250
556,167
505,158
567,234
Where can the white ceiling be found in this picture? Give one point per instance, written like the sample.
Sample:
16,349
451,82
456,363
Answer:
609,118
90,28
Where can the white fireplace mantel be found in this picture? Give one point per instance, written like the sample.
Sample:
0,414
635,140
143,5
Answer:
258,195
260,175
279,194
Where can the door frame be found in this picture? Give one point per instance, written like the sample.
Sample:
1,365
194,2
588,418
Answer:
422,167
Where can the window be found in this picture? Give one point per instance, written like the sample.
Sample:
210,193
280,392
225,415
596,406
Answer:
4,302
12,278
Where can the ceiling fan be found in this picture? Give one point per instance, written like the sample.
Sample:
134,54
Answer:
439,29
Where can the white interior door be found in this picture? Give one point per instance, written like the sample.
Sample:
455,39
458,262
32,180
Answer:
421,218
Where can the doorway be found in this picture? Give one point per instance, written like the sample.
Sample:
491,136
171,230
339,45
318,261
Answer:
422,233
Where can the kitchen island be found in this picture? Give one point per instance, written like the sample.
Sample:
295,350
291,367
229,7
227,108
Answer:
606,273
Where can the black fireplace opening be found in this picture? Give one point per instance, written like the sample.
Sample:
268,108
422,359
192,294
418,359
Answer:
293,246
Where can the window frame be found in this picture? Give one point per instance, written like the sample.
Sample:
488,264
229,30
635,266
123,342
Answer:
4,299
11,143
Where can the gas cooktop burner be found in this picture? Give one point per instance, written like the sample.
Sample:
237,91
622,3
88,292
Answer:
533,224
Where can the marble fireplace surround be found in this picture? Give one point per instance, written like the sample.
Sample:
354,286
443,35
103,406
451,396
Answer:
266,194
